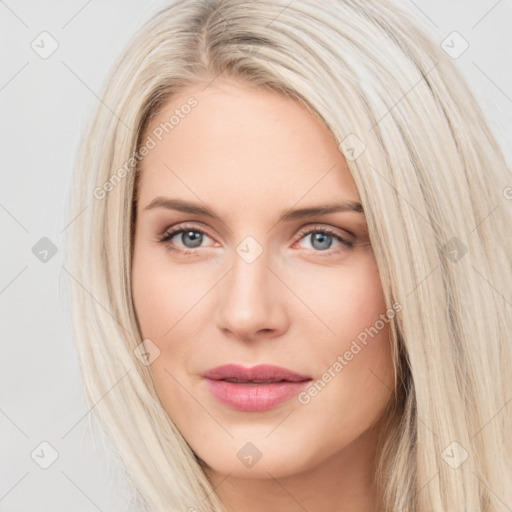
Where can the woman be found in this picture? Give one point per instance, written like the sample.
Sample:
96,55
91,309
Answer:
292,288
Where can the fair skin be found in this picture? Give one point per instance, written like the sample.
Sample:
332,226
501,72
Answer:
249,155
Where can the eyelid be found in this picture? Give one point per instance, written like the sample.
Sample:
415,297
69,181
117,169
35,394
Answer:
170,232
328,229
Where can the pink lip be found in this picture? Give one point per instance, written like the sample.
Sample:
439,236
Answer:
250,395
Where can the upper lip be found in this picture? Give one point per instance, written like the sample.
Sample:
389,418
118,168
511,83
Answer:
261,373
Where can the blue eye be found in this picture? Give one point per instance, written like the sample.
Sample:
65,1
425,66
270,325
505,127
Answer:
322,239
191,238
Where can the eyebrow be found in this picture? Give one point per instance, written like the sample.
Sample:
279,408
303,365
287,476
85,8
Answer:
287,215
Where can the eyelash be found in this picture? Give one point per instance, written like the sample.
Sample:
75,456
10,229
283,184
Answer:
172,232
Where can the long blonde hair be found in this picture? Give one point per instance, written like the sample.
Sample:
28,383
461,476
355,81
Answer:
433,184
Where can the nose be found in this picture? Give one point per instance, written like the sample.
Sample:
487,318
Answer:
252,301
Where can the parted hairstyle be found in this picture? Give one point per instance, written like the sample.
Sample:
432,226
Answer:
435,188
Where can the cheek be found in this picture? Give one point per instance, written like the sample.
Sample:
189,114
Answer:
365,327
359,318
162,293
345,300
162,298
356,356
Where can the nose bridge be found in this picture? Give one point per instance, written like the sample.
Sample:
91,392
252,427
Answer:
248,283
250,269
248,301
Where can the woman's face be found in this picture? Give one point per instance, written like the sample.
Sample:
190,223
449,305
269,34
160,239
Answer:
233,265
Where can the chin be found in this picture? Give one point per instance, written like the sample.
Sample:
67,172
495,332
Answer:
259,460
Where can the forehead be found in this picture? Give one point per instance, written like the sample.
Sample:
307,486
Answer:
242,142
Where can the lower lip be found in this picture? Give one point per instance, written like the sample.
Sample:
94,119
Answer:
254,397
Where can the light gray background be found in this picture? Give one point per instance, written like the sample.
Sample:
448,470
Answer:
44,104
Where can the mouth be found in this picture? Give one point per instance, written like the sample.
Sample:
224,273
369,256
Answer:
262,373
254,389
253,381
